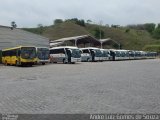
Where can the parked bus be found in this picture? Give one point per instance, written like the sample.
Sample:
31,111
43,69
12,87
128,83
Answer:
22,55
91,54
105,54
124,54
131,54
65,54
116,54
138,55
42,55
151,55
120,54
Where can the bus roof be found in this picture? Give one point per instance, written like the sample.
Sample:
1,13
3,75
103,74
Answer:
43,47
89,48
16,48
105,49
71,47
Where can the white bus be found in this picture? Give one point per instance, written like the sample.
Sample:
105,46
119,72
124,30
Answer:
105,54
65,54
138,55
91,54
151,55
131,54
120,54
42,55
124,54
115,54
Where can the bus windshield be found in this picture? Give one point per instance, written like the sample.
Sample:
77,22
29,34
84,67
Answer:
43,53
118,54
105,53
28,52
76,53
98,53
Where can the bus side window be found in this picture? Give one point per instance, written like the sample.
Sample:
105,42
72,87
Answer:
61,51
14,53
8,53
85,51
18,52
5,53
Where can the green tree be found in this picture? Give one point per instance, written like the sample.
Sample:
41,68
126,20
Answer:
98,33
158,26
150,27
82,23
13,25
127,30
77,21
136,27
89,21
58,21
40,28
154,48
156,33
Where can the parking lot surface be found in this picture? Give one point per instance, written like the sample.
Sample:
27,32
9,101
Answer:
96,87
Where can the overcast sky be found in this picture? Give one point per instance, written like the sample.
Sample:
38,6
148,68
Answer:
29,13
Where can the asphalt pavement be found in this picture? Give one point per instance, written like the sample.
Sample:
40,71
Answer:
95,87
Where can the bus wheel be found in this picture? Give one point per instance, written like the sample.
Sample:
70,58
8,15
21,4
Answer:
43,63
87,59
6,63
17,63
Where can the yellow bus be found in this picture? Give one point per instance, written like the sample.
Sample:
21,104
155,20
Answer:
22,55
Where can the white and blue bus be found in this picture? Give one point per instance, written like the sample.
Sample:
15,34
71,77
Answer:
42,55
91,54
115,54
65,54
131,54
105,54
120,54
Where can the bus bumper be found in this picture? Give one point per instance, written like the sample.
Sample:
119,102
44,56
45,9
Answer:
75,59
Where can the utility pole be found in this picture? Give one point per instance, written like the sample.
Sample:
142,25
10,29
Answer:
100,32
